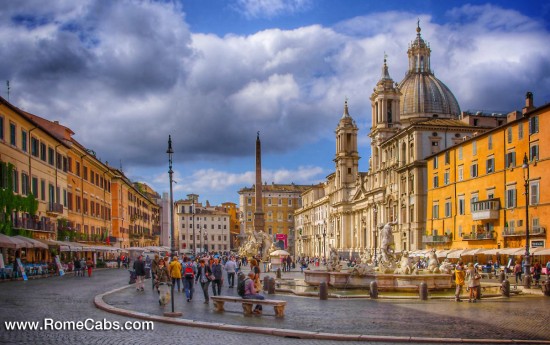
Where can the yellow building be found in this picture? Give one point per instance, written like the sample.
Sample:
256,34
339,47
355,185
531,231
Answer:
39,161
477,189
234,224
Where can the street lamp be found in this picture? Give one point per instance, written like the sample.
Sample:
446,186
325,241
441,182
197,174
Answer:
172,238
375,210
324,241
205,240
527,278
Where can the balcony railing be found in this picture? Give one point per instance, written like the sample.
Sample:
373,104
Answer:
436,239
485,209
32,224
534,231
479,236
55,208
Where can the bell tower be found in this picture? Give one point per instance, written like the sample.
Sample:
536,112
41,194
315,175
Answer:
347,156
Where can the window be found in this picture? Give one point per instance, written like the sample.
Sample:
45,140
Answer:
473,170
534,192
24,184
511,197
281,200
1,128
509,135
461,172
51,156
446,177
24,140
435,210
15,181
43,190
461,205
43,151
34,187
85,173
474,147
436,181
490,142
447,157
34,146
435,163
460,231
520,131
511,160
534,152
269,201
289,202
447,208
490,165
249,201
534,125
473,199
13,134
460,153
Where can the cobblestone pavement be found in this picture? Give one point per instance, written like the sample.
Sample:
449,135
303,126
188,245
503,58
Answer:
71,299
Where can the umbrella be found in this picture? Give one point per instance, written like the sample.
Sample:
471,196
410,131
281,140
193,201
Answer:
35,243
279,252
13,243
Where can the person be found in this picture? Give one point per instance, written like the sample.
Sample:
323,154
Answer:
255,268
118,260
548,270
188,277
474,281
537,270
518,271
250,292
175,272
204,275
162,281
139,268
459,280
154,266
218,277
77,267
89,265
231,268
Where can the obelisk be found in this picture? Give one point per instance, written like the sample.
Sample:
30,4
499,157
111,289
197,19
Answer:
259,211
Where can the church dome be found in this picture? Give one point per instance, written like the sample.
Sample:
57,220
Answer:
422,94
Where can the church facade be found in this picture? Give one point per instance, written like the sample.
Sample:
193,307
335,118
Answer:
411,120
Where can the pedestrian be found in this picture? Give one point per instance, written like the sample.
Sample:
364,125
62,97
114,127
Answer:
139,269
118,260
231,268
474,281
250,292
204,275
459,280
77,267
537,271
154,266
162,282
175,272
89,266
288,263
188,277
218,277
518,271
548,270
255,268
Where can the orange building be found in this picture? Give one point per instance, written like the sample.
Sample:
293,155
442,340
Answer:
477,189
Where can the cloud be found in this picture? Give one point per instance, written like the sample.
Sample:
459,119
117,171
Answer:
271,8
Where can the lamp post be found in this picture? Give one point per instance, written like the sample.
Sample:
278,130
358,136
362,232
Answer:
324,241
375,210
527,276
206,240
172,238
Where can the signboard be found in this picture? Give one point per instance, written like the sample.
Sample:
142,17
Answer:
281,239
537,244
59,267
21,269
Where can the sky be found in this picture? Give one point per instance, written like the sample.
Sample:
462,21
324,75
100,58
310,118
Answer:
124,75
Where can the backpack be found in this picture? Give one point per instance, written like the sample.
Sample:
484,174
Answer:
188,273
241,286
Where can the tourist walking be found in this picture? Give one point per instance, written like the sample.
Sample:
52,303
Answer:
537,271
250,292
162,282
460,274
89,266
77,267
231,268
474,282
139,269
518,271
188,277
118,260
175,272
154,266
204,275
217,271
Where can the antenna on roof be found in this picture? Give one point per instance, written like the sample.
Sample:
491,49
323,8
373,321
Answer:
121,165
8,87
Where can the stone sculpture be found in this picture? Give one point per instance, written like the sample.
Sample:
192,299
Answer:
446,267
433,264
364,265
387,260
333,263
254,241
406,265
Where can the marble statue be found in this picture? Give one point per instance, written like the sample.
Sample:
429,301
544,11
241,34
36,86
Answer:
446,267
406,265
256,240
433,264
387,263
333,263
364,265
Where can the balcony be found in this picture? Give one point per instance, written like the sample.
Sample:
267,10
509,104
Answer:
480,236
55,208
535,231
436,239
485,209
34,224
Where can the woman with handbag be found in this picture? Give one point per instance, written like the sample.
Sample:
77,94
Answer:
204,276
474,282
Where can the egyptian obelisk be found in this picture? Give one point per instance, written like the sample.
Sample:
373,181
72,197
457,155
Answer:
259,211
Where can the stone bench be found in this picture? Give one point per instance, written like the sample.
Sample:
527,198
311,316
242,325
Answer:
278,305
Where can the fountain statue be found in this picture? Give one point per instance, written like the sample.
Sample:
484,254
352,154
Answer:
406,265
364,266
446,267
333,263
253,242
387,262
433,264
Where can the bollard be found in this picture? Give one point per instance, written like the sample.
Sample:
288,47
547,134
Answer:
423,291
373,291
502,276
546,287
505,288
266,283
278,273
271,286
323,291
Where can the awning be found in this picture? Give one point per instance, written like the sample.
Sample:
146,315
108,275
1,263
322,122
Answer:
443,253
491,251
62,246
13,243
512,251
471,252
35,243
541,251
455,254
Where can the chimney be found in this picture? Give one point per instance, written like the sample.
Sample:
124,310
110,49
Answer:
528,102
